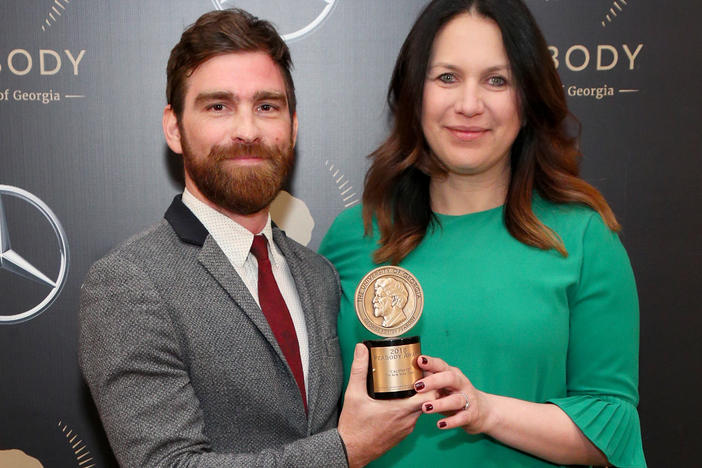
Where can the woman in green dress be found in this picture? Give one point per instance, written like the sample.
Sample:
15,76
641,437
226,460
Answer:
530,322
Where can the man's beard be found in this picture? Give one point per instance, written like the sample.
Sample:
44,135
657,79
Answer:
240,189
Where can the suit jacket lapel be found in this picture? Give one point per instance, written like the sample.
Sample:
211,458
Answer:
216,263
302,274
189,229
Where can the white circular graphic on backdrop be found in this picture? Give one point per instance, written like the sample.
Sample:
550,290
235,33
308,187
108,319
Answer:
306,15
292,216
14,262
16,458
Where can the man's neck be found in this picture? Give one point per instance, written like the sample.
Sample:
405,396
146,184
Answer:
254,222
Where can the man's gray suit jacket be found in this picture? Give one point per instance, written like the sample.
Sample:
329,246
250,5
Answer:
183,366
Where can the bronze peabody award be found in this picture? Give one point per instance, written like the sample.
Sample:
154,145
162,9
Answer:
389,302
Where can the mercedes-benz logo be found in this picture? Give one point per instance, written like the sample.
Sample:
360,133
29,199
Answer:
14,262
317,11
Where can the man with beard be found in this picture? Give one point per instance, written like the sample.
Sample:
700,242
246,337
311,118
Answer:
210,339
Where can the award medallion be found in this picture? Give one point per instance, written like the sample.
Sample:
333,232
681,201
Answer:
389,302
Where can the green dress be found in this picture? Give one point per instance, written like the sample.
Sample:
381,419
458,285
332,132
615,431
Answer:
519,322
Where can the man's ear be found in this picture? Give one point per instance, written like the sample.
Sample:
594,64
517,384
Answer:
171,130
294,128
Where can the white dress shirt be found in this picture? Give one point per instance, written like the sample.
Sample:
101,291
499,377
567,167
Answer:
235,241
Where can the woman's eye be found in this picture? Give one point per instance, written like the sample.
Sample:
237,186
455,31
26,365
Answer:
447,78
497,81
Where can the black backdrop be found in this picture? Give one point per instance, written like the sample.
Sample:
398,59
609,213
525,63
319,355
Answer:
81,95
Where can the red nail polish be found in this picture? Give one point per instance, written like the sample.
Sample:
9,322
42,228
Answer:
442,424
425,360
429,407
418,386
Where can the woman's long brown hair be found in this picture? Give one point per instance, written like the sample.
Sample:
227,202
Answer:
544,156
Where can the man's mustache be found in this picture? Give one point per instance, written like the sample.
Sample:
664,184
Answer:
242,150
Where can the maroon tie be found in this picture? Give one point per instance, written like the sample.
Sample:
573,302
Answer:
277,314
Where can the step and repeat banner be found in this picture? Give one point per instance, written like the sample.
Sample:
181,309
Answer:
83,165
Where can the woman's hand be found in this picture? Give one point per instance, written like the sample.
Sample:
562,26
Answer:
541,429
464,405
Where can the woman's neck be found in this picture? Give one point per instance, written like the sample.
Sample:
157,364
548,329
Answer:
459,194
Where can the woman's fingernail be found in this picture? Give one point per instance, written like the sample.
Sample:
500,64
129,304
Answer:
429,407
425,360
442,424
418,386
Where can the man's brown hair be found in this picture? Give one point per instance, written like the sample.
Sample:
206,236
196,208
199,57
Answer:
222,32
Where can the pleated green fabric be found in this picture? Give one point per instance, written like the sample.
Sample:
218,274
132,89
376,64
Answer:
612,424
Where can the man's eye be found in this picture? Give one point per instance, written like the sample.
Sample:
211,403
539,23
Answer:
217,107
447,78
267,107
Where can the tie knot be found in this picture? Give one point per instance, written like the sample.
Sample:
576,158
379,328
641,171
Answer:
259,248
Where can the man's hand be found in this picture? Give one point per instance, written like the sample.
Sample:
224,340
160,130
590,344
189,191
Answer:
371,427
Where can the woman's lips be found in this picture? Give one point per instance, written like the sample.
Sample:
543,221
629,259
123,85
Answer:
467,133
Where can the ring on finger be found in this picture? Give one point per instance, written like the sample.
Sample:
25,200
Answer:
467,405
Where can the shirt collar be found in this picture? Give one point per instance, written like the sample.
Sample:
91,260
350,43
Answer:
234,239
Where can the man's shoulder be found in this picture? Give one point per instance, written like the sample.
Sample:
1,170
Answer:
150,238
153,248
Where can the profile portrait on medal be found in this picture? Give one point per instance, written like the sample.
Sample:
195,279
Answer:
389,300
530,322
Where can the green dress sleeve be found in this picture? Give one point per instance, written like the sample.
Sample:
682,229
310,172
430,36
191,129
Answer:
602,361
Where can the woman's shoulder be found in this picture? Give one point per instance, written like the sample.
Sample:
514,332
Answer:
573,222
347,224
565,215
350,216
347,229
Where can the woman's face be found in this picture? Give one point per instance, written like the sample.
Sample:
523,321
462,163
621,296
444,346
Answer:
470,113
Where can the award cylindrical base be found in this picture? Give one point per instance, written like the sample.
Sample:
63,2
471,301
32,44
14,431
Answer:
392,367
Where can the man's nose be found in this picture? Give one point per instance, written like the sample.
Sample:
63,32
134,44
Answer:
245,128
